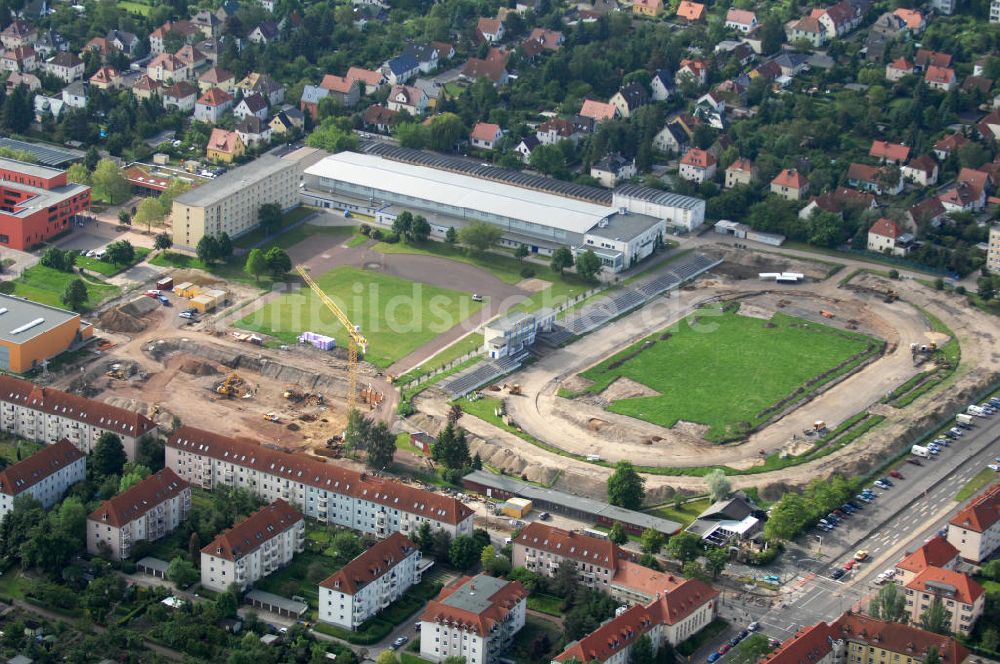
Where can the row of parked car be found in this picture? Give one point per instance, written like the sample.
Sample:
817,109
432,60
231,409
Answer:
735,641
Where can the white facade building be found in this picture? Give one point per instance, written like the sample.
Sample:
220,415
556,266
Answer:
621,240
262,543
45,475
993,250
675,209
45,415
147,511
323,491
475,618
975,530
510,335
370,583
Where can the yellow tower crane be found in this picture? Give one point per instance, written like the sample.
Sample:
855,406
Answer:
356,339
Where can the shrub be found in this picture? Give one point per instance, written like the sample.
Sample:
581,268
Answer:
404,408
527,272
376,234
894,274
391,238
365,230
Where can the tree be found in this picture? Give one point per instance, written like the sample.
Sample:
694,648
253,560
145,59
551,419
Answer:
269,215
889,604
78,174
387,656
149,452
651,541
479,235
256,264
932,657
162,241
488,554
446,130
356,431
991,639
75,295
58,259
330,136
521,252
684,546
175,188
642,651
380,446
124,218
451,447
424,538
588,265
562,258
108,457
150,212
120,253
109,180
937,618
194,547
716,559
224,248
693,570
463,552
451,235
207,249
420,230
618,534
132,474
402,223
181,572
719,486
565,580
626,488
18,109
278,262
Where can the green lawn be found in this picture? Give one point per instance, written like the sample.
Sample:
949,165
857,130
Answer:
13,584
535,627
45,285
546,604
687,513
397,316
295,574
290,218
725,370
977,483
14,449
135,7
110,269
231,270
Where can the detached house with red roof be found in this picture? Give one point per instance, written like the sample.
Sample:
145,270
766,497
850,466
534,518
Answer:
212,105
940,78
692,12
889,153
887,237
45,475
474,618
650,8
147,511
260,544
368,584
975,530
741,20
692,69
960,593
697,166
346,90
899,68
485,135
598,111
922,170
741,171
490,30
790,184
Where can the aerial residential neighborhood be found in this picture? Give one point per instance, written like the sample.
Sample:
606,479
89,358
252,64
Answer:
413,332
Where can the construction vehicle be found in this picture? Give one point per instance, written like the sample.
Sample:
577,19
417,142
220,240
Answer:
357,340
234,386
825,314
116,371
272,417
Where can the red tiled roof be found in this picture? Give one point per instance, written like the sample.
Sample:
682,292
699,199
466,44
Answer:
926,210
863,172
951,142
222,141
489,26
378,115
412,94
92,413
216,75
501,602
967,591
886,228
977,180
43,463
491,69
180,90
139,498
250,533
692,11
924,163
550,40
942,75
485,131
189,55
575,546
890,151
740,16
925,58
563,128
840,13
597,110
637,577
936,552
371,565
104,75
698,158
321,475
215,97
912,17
809,645
341,84
167,61
366,76
697,67
741,166
144,82
981,513
835,201
790,178
809,24
902,64
898,638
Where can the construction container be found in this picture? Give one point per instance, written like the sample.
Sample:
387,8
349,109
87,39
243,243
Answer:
516,508
166,283
203,303
320,341
187,289
219,296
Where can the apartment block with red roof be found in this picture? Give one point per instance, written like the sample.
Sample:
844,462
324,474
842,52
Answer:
960,594
45,475
260,544
147,511
324,491
936,552
370,583
475,618
542,548
46,415
975,530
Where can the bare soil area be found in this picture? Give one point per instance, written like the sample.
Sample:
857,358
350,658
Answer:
626,388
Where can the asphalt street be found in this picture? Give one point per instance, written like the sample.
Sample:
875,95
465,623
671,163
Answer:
898,521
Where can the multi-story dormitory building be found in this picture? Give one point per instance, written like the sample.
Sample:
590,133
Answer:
45,475
46,415
260,544
149,510
323,491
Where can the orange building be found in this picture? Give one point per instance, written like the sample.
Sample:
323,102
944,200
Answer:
37,203
31,333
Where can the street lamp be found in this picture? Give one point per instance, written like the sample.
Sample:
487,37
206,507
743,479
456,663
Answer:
819,548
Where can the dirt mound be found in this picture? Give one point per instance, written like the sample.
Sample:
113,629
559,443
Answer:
116,320
141,306
626,388
752,311
198,368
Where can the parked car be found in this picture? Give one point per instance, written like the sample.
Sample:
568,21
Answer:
915,461
994,467
860,555
849,565
886,480
880,484
724,649
895,473
476,297
400,642
713,657
754,626
837,573
163,300
185,314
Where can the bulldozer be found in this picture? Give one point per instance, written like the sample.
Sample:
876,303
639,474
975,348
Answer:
233,386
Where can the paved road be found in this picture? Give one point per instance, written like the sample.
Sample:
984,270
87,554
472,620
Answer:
899,521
